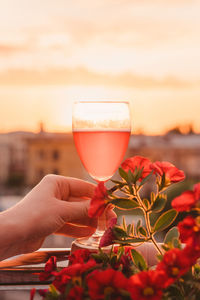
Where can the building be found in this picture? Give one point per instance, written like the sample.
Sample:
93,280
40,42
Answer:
181,150
33,155
52,153
4,162
13,154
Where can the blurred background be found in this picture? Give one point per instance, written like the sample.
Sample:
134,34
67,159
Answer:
53,53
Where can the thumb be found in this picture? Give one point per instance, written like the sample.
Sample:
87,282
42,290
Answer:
77,213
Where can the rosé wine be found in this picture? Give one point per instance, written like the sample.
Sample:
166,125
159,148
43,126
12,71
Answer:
101,151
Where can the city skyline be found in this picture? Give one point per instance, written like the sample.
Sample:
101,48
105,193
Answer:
53,53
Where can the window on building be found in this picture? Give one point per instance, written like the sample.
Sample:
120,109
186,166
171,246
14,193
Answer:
55,155
56,171
41,154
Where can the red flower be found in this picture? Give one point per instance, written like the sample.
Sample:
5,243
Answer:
187,200
184,202
79,256
61,280
99,201
146,285
189,230
32,293
175,263
50,266
43,293
138,162
108,236
172,174
197,192
73,272
106,284
76,293
192,253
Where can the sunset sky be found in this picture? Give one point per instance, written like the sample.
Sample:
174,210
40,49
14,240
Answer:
55,52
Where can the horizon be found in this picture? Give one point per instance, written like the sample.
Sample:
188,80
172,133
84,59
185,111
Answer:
181,130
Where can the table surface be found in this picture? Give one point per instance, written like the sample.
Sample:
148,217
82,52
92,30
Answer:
22,272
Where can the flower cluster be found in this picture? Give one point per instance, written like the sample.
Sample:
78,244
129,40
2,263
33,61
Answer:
121,272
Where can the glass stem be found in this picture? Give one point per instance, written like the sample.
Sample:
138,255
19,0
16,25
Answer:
101,225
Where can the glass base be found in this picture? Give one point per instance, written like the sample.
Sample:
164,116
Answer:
91,243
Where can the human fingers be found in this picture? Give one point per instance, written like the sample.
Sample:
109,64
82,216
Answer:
78,187
76,213
78,199
76,231
64,187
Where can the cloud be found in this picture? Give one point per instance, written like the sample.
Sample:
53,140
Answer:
147,37
7,49
83,76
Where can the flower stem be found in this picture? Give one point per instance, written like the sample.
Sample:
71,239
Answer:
147,221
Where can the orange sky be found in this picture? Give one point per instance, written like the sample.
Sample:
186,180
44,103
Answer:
55,52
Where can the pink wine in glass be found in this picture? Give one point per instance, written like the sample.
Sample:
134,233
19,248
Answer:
101,151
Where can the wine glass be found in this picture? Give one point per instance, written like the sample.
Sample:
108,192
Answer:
101,131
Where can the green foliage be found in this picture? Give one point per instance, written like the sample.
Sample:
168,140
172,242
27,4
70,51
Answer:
119,232
123,174
165,220
133,177
125,203
171,234
144,180
146,203
153,220
159,203
138,260
142,230
129,241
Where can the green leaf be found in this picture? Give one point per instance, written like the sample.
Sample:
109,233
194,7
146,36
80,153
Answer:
131,178
159,203
146,203
124,223
123,174
138,225
153,218
139,260
125,203
144,180
165,247
130,229
176,243
131,241
142,231
117,182
135,175
119,232
165,220
162,184
172,233
53,291
113,260
119,185
96,257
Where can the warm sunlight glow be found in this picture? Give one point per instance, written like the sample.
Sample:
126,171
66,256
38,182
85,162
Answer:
145,52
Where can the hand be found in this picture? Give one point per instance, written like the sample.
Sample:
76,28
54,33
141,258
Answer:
56,205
